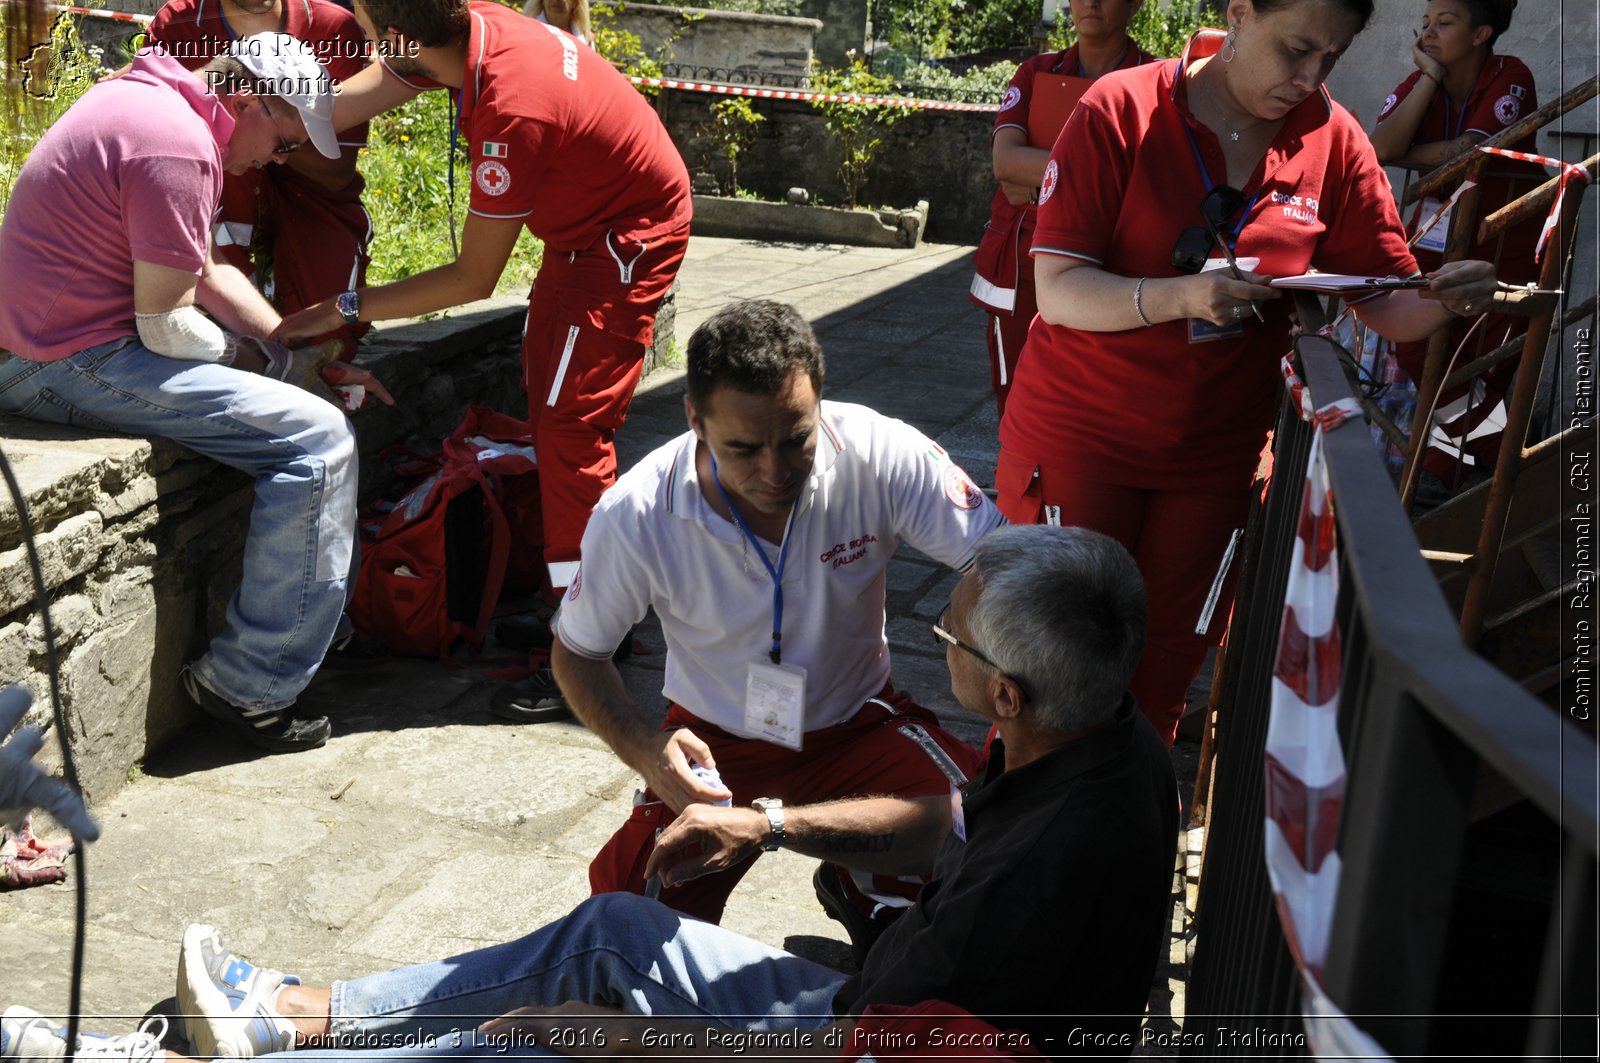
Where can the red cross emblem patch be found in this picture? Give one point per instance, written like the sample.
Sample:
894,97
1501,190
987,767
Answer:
492,177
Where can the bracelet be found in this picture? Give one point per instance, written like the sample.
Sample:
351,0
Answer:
1138,290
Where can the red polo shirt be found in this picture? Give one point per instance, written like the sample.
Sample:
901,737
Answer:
1146,407
194,32
560,139
998,258
1502,96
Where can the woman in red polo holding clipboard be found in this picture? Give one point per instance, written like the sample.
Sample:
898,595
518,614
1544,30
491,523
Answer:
1151,376
1042,94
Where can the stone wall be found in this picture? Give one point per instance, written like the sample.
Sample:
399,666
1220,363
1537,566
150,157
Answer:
940,156
731,41
844,28
140,540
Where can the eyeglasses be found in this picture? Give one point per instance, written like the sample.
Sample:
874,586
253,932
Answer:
944,633
1194,244
285,145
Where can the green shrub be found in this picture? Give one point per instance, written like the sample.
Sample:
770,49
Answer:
58,73
733,123
406,164
858,127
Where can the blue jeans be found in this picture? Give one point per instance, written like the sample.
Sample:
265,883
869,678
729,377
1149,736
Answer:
617,950
302,453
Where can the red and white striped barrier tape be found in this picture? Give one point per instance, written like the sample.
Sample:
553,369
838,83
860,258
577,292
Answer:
1569,170
723,89
718,88
1326,417
94,12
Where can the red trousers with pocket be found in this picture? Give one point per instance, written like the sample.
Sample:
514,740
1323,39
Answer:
1177,537
873,752
316,239
591,316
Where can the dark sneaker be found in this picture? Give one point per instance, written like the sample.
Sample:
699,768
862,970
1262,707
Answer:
530,633
536,699
274,730
355,654
525,632
835,898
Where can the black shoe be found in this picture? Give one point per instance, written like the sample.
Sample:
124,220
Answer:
525,632
864,930
355,654
535,699
530,633
274,730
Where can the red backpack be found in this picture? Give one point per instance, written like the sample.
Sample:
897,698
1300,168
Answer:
433,566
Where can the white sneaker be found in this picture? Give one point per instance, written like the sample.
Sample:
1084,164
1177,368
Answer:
25,1035
228,1004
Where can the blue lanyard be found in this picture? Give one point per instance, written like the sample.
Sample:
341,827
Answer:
775,573
1461,118
1205,175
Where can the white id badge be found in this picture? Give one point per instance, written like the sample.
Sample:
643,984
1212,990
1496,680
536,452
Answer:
1204,331
1434,239
775,703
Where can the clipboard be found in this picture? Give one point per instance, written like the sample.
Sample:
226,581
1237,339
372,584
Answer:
1054,97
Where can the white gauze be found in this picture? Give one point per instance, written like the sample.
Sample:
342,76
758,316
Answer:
187,334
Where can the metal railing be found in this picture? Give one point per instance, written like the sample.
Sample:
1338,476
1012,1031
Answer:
1428,729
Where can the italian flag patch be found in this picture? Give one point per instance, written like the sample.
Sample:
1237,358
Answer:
493,150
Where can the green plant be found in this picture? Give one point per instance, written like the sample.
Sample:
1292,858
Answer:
407,167
979,83
733,123
624,49
54,76
856,125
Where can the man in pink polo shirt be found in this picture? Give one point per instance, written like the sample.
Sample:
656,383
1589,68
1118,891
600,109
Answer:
106,264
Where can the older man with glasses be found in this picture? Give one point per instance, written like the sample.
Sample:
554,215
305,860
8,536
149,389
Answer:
106,263
1049,900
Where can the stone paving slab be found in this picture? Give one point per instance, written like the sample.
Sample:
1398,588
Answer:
426,827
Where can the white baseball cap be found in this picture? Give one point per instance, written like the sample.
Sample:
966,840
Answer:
292,72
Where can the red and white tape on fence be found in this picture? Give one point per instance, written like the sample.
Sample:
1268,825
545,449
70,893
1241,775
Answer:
92,12
723,89
1568,171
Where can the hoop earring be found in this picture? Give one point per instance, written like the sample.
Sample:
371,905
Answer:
1229,52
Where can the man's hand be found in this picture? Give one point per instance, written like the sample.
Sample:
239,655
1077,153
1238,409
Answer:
304,326
23,786
667,770
705,839
345,375
1019,195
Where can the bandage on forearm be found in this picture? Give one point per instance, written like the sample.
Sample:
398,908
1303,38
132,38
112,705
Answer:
187,334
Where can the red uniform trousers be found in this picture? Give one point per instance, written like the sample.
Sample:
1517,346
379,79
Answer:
1177,537
591,315
315,240
873,752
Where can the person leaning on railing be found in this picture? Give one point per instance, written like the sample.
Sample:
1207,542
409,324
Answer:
1144,396
1461,94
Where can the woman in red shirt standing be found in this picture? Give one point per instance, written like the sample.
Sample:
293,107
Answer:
1461,94
1150,379
1002,282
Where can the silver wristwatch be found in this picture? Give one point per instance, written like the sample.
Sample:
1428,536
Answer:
772,807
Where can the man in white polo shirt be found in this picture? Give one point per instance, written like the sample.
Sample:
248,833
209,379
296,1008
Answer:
761,538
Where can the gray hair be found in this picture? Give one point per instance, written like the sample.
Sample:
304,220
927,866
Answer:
1062,610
